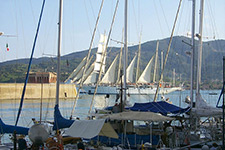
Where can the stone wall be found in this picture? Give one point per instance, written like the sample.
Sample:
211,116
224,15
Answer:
34,90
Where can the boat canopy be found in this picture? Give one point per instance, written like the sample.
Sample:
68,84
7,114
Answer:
91,128
138,116
59,121
4,128
161,107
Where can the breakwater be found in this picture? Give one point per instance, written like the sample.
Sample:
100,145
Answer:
36,91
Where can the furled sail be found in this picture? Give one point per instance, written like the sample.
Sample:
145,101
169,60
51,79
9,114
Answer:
146,75
109,76
59,121
11,129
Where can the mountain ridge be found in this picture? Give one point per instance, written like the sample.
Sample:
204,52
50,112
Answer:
178,59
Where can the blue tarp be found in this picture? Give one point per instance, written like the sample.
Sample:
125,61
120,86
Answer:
4,128
158,107
59,121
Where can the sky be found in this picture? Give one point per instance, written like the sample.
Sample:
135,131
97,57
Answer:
152,19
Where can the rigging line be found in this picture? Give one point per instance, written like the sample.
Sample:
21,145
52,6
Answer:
213,23
157,14
47,111
103,57
32,12
178,24
164,15
85,5
175,41
168,49
28,69
135,18
87,60
93,13
24,41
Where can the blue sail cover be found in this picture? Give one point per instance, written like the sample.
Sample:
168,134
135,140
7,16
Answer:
4,128
158,107
59,121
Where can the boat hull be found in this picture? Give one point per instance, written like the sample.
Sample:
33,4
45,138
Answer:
132,90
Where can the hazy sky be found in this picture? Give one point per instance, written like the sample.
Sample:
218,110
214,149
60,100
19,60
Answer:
153,18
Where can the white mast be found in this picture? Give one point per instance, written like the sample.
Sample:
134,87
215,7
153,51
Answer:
193,50
59,49
162,64
138,61
156,59
199,67
125,53
120,61
174,76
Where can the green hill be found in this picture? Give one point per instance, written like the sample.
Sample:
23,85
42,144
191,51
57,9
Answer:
212,60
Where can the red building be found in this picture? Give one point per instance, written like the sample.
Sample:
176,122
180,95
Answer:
42,77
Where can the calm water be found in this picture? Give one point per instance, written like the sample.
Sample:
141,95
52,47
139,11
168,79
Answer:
31,108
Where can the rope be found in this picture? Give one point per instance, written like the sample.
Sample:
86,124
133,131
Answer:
88,56
102,59
28,69
167,53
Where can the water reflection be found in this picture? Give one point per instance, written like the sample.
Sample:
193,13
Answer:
31,108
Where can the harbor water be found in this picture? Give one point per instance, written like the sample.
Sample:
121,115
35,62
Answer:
45,108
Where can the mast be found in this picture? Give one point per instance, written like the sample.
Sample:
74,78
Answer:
59,50
162,65
120,61
138,61
193,51
156,59
174,76
125,53
200,49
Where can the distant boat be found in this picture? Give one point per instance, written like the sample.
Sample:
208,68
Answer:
109,85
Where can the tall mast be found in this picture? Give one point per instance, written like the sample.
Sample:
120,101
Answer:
125,52
59,49
193,51
200,49
156,59
120,60
162,65
138,61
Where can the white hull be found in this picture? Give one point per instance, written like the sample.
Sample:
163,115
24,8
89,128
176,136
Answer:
113,90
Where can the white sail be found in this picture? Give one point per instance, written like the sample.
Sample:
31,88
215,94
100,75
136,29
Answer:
76,70
130,71
80,72
90,76
99,55
146,75
109,76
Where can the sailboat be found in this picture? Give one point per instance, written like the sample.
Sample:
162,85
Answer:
122,118
201,108
38,133
109,85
